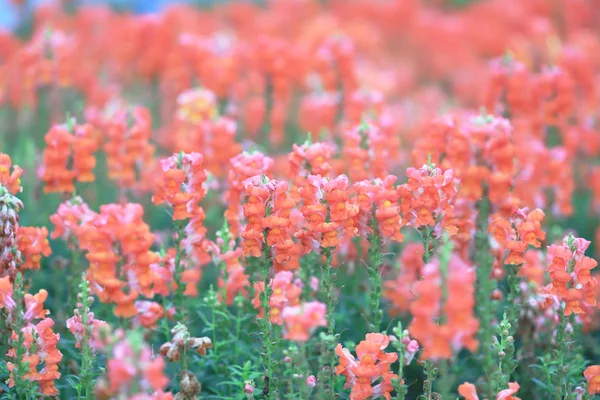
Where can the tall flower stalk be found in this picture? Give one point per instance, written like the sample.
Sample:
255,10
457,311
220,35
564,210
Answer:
374,268
485,286
181,186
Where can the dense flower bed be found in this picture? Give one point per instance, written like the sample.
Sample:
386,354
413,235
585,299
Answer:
301,199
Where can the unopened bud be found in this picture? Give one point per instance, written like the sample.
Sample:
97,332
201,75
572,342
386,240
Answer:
248,387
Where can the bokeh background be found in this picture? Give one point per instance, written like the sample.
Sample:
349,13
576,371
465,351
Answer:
9,17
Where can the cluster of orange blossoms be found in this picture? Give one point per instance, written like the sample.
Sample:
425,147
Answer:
11,180
469,392
22,248
243,166
399,291
40,342
328,213
33,244
371,147
129,153
198,128
133,371
286,293
426,197
444,298
372,365
572,288
181,186
516,234
299,319
68,156
117,244
237,281
369,79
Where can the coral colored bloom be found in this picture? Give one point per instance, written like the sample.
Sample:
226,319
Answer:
131,361
68,157
468,391
507,394
41,352
6,293
285,294
592,375
372,364
442,340
571,280
300,321
33,244
10,179
93,331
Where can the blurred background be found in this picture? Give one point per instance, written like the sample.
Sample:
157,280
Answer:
9,12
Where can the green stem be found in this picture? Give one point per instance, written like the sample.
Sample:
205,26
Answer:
430,378
178,273
87,373
562,338
484,288
329,344
426,235
265,322
512,314
76,270
401,388
375,261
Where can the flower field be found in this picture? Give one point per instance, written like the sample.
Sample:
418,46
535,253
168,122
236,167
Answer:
301,199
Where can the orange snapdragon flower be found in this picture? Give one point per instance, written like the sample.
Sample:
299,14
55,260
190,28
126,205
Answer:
6,293
149,313
280,227
507,394
255,210
243,166
399,291
237,280
592,375
286,293
328,212
119,276
426,197
309,159
10,179
129,362
46,356
68,156
300,321
33,244
572,285
440,340
127,146
69,218
515,234
369,374
468,391
181,186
